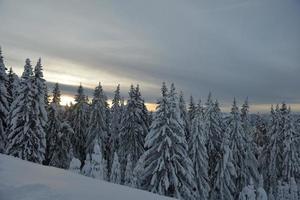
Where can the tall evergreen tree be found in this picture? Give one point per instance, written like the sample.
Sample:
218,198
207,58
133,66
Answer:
191,109
4,104
269,159
79,123
40,91
291,163
244,159
26,134
134,128
168,169
115,176
184,116
58,149
129,179
116,117
212,133
223,187
198,154
97,127
13,83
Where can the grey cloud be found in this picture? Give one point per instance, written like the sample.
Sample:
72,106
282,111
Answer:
232,48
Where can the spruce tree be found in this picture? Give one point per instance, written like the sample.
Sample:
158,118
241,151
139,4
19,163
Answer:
4,104
168,169
184,116
58,150
93,163
97,126
79,123
129,179
198,154
291,163
191,109
134,128
13,83
62,151
244,159
223,187
26,134
115,175
212,133
40,92
116,117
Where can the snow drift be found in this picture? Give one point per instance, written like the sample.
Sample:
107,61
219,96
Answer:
22,180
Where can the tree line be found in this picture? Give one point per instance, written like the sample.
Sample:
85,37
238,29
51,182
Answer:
192,151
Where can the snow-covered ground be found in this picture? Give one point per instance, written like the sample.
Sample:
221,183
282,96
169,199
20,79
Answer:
22,180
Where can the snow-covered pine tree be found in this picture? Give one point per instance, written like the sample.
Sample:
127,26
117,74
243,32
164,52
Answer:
291,162
53,124
116,117
248,128
184,116
134,129
62,155
168,169
4,104
58,149
212,127
79,123
129,179
270,157
93,163
191,109
97,127
223,187
260,132
115,175
26,135
280,154
40,93
13,83
244,159
198,154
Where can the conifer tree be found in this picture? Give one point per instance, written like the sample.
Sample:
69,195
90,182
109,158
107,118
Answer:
97,127
4,104
244,160
116,117
58,149
129,172
184,116
291,163
168,169
134,128
79,123
93,164
62,152
198,154
13,83
191,109
212,127
115,175
26,134
223,187
40,93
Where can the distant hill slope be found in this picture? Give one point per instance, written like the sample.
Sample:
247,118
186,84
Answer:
22,180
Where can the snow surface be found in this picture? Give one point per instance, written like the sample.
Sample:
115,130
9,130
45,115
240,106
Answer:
22,180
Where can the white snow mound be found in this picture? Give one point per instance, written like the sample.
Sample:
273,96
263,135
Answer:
22,180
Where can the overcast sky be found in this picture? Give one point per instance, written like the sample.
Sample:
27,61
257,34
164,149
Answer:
233,48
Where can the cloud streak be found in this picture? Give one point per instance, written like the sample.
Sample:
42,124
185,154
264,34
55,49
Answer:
233,48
